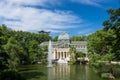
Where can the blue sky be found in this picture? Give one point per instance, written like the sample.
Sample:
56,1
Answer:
77,17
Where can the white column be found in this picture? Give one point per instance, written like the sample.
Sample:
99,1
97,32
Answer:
57,55
54,54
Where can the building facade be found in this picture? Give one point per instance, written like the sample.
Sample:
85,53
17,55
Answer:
61,48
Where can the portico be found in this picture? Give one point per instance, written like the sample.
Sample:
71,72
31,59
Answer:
61,53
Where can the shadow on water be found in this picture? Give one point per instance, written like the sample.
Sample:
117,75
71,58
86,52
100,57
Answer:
33,72
36,75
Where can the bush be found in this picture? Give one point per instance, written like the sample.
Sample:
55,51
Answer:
105,75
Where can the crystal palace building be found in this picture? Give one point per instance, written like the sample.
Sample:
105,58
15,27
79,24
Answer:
61,48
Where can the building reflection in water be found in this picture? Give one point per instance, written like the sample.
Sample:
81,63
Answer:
59,72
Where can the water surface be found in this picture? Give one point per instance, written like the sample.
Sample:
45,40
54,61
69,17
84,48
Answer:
59,72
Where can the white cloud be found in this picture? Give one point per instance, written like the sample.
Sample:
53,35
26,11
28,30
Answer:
85,31
90,2
31,2
18,17
95,3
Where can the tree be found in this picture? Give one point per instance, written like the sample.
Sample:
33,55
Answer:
43,54
24,46
80,54
43,32
33,51
43,36
108,57
94,59
114,23
30,43
100,42
78,38
13,49
55,38
72,54
4,35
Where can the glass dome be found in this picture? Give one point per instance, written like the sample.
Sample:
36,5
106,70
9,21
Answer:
63,36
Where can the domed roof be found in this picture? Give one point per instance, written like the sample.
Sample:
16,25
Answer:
63,36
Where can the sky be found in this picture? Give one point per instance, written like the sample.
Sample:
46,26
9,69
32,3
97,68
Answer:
76,17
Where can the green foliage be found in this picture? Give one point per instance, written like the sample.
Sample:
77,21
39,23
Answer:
97,59
114,23
79,54
72,54
108,57
55,38
106,75
33,51
43,36
12,48
100,42
4,35
30,43
94,59
19,47
78,38
43,51
3,61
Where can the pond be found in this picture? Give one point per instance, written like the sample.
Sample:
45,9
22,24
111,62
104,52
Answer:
59,72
